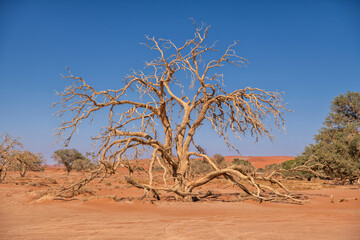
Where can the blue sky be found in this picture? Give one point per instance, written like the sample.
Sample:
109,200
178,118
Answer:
310,50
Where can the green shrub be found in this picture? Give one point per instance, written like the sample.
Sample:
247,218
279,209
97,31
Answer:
288,165
271,167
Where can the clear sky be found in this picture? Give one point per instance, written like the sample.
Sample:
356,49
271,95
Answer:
310,50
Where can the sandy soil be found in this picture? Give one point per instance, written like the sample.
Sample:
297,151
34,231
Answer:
23,215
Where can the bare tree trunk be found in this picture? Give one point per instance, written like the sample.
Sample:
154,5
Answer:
2,174
23,169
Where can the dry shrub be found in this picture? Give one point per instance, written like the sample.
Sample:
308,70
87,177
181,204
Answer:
246,165
199,167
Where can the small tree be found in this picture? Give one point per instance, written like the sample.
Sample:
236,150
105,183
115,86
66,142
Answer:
337,145
67,157
8,146
23,161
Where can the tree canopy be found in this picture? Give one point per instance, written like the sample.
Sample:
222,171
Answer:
67,157
337,145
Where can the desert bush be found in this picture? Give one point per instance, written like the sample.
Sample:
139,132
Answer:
50,180
220,161
199,167
83,165
156,168
202,166
39,169
271,167
246,165
288,164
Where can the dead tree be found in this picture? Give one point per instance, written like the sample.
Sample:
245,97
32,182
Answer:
179,92
8,146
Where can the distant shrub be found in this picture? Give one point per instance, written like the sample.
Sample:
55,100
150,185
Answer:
39,169
156,168
67,157
199,167
202,166
83,165
246,165
271,167
220,161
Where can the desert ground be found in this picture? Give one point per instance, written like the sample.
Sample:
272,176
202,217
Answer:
110,210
